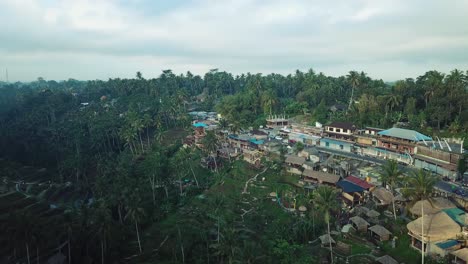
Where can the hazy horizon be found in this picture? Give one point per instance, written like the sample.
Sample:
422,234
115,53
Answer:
388,40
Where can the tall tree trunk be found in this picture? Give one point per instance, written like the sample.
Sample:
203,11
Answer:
350,99
102,251
119,211
27,253
422,232
138,236
147,137
37,255
181,245
69,251
216,164
329,240
193,173
141,142
393,203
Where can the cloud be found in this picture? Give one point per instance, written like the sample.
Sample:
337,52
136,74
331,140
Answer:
391,39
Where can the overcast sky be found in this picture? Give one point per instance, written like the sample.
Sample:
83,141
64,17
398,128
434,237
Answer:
100,39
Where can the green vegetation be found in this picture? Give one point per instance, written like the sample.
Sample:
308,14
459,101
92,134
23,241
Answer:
97,169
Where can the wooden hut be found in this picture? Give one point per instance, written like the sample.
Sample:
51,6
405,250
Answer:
359,223
379,233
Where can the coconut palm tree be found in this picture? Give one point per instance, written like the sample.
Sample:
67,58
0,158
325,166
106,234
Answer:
390,176
420,187
135,213
210,142
354,79
325,201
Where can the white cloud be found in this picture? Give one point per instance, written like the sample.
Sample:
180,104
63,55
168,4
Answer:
244,35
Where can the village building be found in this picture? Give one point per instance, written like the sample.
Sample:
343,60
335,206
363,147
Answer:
436,233
359,223
336,144
352,193
382,196
340,131
398,144
253,157
277,122
320,177
294,164
439,157
366,141
360,182
434,206
379,233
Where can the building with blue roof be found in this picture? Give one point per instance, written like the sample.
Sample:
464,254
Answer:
400,140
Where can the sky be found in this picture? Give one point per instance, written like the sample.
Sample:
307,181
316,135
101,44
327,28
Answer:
101,39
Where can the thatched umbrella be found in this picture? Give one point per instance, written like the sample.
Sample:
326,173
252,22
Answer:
431,207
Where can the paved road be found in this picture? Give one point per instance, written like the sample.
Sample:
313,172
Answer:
356,157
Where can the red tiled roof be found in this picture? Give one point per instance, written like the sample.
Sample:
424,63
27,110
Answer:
360,182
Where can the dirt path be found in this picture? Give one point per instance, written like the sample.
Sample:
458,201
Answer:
252,179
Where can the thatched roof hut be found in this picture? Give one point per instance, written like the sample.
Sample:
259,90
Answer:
359,223
382,195
380,232
386,260
433,206
373,214
437,227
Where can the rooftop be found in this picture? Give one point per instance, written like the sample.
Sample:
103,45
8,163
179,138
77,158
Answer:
401,133
343,125
349,187
364,184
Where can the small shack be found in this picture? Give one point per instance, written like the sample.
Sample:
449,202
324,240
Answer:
325,240
386,260
359,223
382,196
379,233
352,193
372,214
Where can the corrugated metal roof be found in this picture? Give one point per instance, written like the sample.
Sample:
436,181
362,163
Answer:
404,134
349,187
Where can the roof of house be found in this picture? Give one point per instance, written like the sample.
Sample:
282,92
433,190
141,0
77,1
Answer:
372,213
431,207
257,142
349,187
364,184
437,227
359,221
337,142
325,239
322,176
258,132
295,160
447,244
380,230
456,214
200,124
343,125
386,260
383,195
461,254
404,134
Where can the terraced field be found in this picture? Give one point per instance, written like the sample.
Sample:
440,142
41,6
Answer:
29,193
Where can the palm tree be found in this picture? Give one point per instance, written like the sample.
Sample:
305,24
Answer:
393,100
354,80
420,188
135,213
102,221
210,142
325,201
390,175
